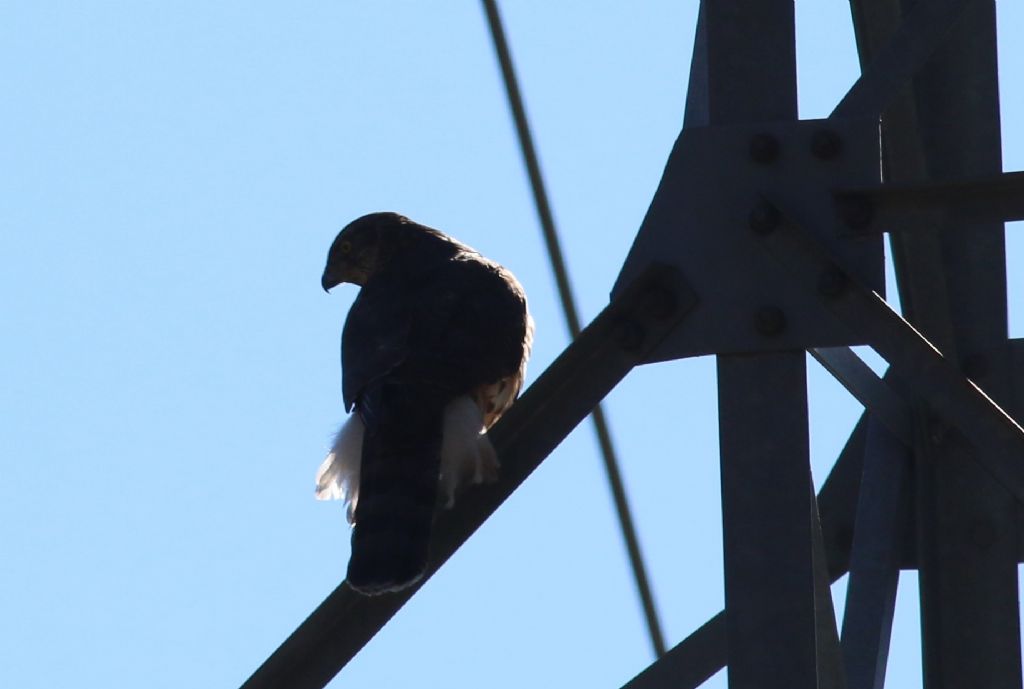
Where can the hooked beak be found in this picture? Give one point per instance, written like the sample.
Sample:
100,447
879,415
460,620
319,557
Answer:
329,280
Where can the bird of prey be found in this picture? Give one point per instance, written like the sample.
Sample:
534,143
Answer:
433,352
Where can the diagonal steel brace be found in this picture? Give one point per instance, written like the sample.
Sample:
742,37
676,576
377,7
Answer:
621,337
956,400
920,33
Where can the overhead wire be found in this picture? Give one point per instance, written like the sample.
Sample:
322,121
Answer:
558,266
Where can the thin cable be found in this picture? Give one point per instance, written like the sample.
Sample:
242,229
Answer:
547,223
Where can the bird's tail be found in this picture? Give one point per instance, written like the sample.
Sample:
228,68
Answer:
467,456
398,486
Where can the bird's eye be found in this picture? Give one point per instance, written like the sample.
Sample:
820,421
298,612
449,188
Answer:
346,247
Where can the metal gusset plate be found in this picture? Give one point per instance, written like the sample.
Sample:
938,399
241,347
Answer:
955,400
701,218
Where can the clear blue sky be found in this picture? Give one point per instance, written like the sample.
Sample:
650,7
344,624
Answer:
172,176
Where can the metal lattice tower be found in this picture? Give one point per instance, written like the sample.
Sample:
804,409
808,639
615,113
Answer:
763,242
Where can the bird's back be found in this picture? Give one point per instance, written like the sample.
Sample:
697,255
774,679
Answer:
422,339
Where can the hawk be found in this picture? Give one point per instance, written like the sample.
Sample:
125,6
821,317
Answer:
433,352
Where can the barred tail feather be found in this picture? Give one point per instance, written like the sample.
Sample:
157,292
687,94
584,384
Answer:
409,464
398,485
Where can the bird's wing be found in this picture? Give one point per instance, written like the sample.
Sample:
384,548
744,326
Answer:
376,337
460,327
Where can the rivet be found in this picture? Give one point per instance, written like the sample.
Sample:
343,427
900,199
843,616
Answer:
769,320
936,431
764,148
764,218
826,144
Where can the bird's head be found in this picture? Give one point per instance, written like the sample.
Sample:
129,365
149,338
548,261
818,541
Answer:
357,251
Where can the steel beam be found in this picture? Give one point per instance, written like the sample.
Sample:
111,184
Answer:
829,669
967,524
875,558
885,405
689,663
927,206
744,64
963,530
952,287
918,36
767,521
917,255
616,341
744,70
704,652
923,290
998,438
700,655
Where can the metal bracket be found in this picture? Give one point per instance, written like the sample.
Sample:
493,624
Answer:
998,438
708,211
